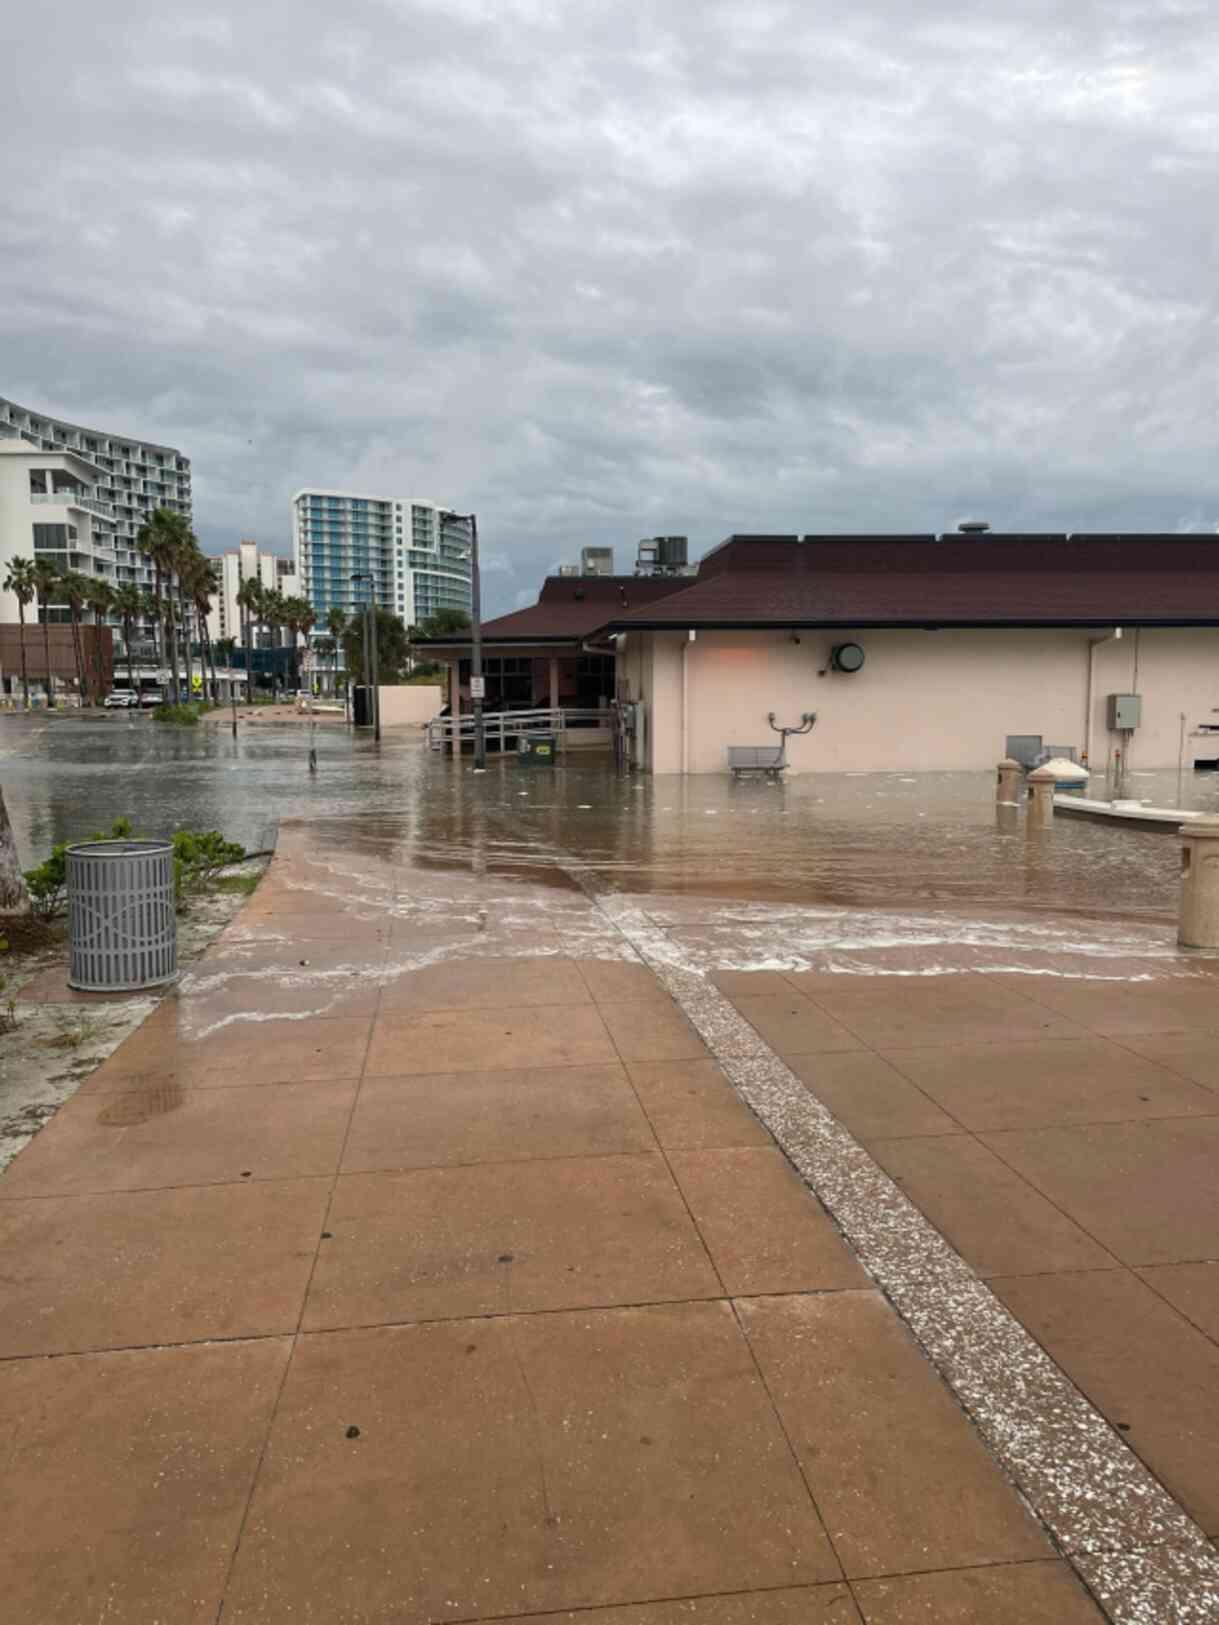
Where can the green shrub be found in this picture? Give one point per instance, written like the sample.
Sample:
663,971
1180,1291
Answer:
199,855
47,882
181,716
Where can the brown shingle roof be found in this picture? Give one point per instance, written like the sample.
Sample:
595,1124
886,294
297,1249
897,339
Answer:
951,581
571,608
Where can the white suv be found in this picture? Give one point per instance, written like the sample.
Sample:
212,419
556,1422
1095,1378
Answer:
121,698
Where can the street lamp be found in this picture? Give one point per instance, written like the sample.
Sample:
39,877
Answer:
476,642
370,648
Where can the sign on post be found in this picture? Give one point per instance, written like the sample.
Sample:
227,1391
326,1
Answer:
478,688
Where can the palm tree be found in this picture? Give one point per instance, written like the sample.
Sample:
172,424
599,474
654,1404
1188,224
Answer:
167,539
249,600
273,602
47,580
203,579
75,590
298,616
100,599
129,604
336,625
22,583
14,898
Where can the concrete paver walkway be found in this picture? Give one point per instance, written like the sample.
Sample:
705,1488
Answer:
416,1262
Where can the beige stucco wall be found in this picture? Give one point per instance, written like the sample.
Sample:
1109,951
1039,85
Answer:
409,704
924,700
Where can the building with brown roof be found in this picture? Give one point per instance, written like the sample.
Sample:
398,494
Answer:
915,652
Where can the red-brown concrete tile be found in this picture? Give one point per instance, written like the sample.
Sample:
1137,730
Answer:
763,1227
903,1481
212,996
1192,1289
619,981
1141,1364
1146,1191
438,1041
745,984
995,1220
465,1117
896,1012
803,1605
652,1030
154,1139
692,1103
1019,1594
483,984
502,1238
1039,1084
794,1025
528,1464
1116,1007
125,1479
324,926
868,1096
1193,1055
148,1267
281,1049
50,986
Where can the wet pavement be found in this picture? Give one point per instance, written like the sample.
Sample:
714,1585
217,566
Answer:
900,842
471,1236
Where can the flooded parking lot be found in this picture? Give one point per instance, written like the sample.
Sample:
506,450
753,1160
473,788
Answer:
877,840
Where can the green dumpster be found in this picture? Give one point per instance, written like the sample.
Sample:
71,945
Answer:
536,750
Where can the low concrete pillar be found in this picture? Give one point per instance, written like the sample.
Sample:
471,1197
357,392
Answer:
1199,927
1041,797
1007,787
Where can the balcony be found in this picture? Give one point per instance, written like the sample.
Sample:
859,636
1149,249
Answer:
74,499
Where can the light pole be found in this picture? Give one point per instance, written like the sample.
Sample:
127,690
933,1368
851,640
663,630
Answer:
476,643
370,649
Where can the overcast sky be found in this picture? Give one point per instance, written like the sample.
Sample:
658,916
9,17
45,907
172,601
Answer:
601,270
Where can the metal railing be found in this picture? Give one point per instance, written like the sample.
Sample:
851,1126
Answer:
504,728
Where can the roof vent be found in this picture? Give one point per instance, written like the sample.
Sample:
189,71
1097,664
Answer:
974,527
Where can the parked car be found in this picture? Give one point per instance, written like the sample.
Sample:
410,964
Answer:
151,696
121,698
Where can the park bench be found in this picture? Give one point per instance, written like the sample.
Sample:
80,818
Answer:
768,759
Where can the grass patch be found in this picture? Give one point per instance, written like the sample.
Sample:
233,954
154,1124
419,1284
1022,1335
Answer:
238,885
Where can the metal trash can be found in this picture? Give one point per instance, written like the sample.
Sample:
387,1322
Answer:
536,750
122,926
361,705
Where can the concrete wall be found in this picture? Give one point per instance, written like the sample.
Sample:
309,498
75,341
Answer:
409,704
924,700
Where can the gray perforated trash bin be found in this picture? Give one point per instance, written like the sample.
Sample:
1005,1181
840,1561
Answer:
122,926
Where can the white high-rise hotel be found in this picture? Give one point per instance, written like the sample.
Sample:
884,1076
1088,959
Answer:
417,553
82,502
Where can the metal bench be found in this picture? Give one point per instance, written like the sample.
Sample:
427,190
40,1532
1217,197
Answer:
768,759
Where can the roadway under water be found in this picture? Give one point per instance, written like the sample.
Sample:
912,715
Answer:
877,840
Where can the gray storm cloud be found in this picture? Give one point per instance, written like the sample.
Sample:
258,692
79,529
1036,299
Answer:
601,271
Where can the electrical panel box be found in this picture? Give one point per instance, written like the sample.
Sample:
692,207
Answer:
1124,712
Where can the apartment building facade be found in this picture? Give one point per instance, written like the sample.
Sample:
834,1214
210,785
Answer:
117,481
246,562
417,553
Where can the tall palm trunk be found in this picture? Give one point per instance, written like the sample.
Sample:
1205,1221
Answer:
184,617
157,628
46,649
14,898
25,681
98,669
79,653
171,645
128,624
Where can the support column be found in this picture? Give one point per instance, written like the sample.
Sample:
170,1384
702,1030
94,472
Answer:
455,705
554,682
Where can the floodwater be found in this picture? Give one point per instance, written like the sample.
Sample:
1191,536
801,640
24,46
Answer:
887,840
